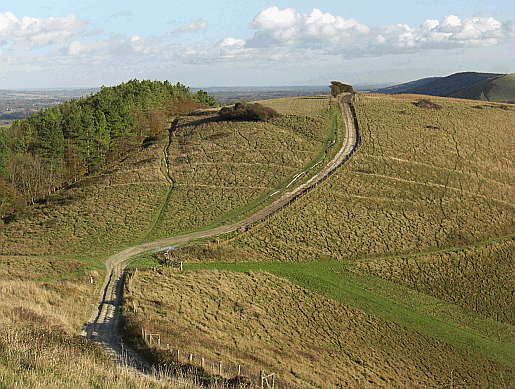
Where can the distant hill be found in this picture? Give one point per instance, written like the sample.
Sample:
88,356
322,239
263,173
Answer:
447,85
390,90
500,89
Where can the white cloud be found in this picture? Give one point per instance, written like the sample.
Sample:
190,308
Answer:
272,18
291,33
196,25
28,33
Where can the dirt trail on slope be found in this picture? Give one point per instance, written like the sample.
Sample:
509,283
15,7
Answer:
102,327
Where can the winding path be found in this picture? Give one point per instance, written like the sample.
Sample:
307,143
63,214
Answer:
102,327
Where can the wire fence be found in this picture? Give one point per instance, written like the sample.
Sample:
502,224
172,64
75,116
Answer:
226,374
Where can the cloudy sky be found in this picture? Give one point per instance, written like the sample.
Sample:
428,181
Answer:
89,43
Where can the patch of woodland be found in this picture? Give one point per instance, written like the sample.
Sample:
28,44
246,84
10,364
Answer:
61,145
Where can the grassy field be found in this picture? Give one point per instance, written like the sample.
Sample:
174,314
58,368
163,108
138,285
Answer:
261,321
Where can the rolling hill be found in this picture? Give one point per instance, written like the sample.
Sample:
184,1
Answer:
395,272
442,86
499,89
399,88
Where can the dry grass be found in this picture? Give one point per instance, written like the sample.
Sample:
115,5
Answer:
481,279
221,170
261,321
39,345
421,179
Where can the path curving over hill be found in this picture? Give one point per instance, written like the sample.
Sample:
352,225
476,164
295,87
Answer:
102,327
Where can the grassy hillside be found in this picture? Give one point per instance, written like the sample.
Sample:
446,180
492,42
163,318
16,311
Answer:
220,170
422,179
261,321
447,85
416,229
399,88
216,171
400,265
500,89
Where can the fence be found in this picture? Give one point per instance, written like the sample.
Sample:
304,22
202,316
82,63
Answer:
233,374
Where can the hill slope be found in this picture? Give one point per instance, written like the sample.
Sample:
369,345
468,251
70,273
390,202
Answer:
405,86
447,85
411,230
501,89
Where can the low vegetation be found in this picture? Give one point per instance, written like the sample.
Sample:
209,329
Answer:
264,322
222,170
422,179
376,278
41,319
479,278
247,111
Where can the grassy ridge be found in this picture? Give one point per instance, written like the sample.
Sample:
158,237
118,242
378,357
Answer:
222,171
421,179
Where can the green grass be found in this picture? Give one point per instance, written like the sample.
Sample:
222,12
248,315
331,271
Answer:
431,316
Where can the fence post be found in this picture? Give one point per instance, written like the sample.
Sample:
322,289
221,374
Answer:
239,370
191,359
220,368
203,363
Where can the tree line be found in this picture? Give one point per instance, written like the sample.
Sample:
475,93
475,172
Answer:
59,145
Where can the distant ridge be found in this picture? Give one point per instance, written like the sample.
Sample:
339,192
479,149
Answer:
499,89
447,85
390,90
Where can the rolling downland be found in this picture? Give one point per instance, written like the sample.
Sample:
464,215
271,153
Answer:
415,229
395,272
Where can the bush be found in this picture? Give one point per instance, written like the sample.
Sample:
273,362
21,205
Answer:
251,112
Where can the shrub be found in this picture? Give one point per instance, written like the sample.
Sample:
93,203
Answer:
244,111
425,103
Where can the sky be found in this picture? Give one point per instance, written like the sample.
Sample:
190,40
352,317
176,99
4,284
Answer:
199,43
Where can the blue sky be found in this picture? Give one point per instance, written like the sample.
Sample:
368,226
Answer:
79,43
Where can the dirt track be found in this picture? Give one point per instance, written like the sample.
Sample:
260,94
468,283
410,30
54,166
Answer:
102,327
